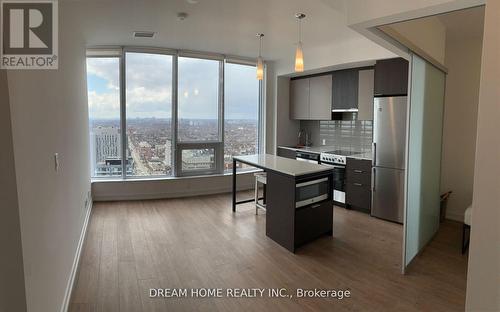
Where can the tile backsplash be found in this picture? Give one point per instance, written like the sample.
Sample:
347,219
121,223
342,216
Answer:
349,134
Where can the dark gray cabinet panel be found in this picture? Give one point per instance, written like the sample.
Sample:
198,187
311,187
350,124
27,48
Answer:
313,221
391,77
345,89
358,196
289,226
280,214
365,94
285,152
358,192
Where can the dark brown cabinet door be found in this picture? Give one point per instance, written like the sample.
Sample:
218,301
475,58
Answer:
313,221
391,77
345,89
358,192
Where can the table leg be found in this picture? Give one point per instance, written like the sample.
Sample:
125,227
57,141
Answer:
234,185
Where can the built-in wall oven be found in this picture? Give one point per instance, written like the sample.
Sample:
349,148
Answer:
312,191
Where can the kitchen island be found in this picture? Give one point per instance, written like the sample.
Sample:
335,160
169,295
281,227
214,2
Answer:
299,201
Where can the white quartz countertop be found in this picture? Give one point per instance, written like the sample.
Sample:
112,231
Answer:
284,165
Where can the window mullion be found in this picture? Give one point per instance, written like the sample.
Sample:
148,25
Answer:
123,116
174,116
220,151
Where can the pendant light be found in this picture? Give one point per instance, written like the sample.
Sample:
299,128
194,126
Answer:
299,55
260,63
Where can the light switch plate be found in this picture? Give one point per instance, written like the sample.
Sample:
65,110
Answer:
56,162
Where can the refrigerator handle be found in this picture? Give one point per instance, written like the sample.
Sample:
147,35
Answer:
374,151
373,179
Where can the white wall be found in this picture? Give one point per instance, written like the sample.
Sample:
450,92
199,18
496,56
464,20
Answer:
483,286
49,115
463,60
12,294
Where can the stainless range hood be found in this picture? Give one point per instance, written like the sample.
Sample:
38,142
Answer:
350,114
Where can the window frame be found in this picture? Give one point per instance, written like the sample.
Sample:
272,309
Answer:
123,106
178,146
109,52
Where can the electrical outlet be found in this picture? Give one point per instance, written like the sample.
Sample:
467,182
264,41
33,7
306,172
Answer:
323,142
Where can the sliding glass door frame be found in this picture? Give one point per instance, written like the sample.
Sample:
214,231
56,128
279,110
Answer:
410,251
177,146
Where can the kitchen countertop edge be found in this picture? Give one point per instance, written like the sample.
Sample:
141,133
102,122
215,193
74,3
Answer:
325,148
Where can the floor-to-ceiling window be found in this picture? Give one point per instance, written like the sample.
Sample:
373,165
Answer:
103,85
199,121
182,114
241,112
148,82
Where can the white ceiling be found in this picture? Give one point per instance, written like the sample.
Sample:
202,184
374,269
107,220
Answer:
223,26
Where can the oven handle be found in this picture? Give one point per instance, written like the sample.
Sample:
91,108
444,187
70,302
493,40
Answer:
333,166
311,182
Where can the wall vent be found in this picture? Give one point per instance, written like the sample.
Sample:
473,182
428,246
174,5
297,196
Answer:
144,34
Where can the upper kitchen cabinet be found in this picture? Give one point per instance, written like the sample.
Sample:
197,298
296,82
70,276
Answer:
365,94
299,98
391,77
345,90
320,98
311,98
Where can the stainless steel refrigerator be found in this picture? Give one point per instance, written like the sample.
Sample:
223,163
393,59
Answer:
389,146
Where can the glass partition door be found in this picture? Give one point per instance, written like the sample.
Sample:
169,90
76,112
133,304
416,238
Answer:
424,157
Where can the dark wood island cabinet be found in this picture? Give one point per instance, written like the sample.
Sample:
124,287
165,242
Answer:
299,199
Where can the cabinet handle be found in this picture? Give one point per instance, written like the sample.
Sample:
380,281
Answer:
358,184
315,206
358,171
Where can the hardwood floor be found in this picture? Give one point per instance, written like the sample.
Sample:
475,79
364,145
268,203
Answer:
198,242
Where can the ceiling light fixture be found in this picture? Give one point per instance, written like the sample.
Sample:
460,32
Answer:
299,54
260,63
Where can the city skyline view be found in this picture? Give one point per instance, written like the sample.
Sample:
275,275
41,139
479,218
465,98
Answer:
148,109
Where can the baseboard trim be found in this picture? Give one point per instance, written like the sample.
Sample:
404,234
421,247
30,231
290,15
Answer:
76,260
187,193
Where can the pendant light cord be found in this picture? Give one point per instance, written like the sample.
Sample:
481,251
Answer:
300,30
260,46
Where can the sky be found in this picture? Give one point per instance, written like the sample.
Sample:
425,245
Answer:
149,88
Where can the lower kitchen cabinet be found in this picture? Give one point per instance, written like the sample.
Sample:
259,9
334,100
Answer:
358,192
358,196
313,221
